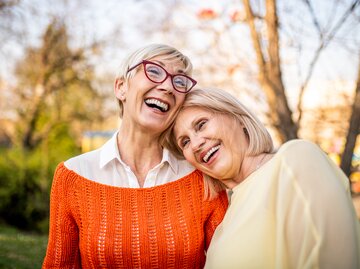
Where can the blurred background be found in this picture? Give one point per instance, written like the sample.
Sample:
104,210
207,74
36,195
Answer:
296,64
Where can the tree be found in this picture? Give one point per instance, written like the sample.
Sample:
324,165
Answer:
269,68
9,10
54,101
55,86
267,50
353,130
262,19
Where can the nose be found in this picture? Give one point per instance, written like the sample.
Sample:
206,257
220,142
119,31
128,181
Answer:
167,85
197,143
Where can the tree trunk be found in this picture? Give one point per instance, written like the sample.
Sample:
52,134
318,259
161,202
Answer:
270,71
353,130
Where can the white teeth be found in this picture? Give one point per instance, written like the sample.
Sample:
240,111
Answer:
211,151
163,106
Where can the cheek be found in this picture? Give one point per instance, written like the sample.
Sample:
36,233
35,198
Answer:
189,156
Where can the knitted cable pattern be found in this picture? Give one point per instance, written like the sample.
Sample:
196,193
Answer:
93,225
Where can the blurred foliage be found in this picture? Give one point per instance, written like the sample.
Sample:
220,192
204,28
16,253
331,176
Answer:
26,176
54,102
54,86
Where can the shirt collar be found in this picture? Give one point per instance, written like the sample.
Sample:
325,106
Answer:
171,160
109,151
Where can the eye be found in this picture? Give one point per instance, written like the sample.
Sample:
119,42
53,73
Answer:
184,142
180,81
154,71
200,125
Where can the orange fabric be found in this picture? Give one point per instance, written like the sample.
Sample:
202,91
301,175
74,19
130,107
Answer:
93,225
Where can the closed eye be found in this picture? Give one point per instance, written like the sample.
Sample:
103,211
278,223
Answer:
200,124
183,142
153,70
180,81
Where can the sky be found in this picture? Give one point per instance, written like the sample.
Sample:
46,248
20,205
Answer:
121,25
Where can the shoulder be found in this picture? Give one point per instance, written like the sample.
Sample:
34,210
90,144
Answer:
90,158
300,149
307,159
299,145
63,177
302,155
83,157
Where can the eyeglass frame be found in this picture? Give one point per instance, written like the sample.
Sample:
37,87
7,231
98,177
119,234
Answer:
145,62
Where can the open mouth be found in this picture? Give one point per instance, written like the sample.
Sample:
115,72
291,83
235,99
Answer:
154,103
210,153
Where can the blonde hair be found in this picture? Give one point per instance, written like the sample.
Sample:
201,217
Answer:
221,102
149,52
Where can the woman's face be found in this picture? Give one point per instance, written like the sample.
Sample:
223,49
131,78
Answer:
148,105
213,143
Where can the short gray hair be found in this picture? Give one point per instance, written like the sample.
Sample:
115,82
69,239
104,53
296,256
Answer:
149,52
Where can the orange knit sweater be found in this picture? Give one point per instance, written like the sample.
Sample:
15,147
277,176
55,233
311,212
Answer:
93,225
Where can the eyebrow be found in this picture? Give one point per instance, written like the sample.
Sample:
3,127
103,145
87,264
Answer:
181,71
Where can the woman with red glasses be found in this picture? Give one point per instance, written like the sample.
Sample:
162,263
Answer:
131,203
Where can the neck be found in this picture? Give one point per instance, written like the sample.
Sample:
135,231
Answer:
140,150
248,166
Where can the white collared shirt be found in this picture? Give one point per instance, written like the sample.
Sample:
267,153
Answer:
104,165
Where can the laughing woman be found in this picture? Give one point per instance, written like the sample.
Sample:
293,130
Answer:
288,209
131,203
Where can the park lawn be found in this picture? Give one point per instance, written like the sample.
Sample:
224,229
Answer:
21,250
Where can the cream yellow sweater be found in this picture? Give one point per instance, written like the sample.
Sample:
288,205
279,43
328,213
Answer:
294,212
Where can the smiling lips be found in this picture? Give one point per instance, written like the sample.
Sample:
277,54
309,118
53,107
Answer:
210,153
155,103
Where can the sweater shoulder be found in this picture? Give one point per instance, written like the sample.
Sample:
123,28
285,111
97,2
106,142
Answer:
299,146
64,176
299,154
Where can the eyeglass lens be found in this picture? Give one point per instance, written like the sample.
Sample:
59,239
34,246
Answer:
158,74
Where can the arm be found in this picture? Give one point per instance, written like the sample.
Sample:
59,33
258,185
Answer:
320,223
63,245
216,209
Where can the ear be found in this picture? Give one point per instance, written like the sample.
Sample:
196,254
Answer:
120,89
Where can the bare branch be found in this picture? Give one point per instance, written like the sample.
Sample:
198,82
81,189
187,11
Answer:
314,18
324,42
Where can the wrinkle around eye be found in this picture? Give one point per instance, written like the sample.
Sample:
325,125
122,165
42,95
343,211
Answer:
181,144
200,124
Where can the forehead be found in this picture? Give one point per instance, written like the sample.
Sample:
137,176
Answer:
188,116
174,64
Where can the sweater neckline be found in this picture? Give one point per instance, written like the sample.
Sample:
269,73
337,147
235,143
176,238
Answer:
166,185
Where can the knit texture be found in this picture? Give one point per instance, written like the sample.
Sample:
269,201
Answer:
93,225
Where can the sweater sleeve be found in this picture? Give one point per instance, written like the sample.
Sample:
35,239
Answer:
216,209
320,223
63,244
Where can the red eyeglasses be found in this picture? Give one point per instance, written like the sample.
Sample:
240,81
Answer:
157,74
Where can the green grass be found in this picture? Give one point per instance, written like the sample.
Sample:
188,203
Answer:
21,250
